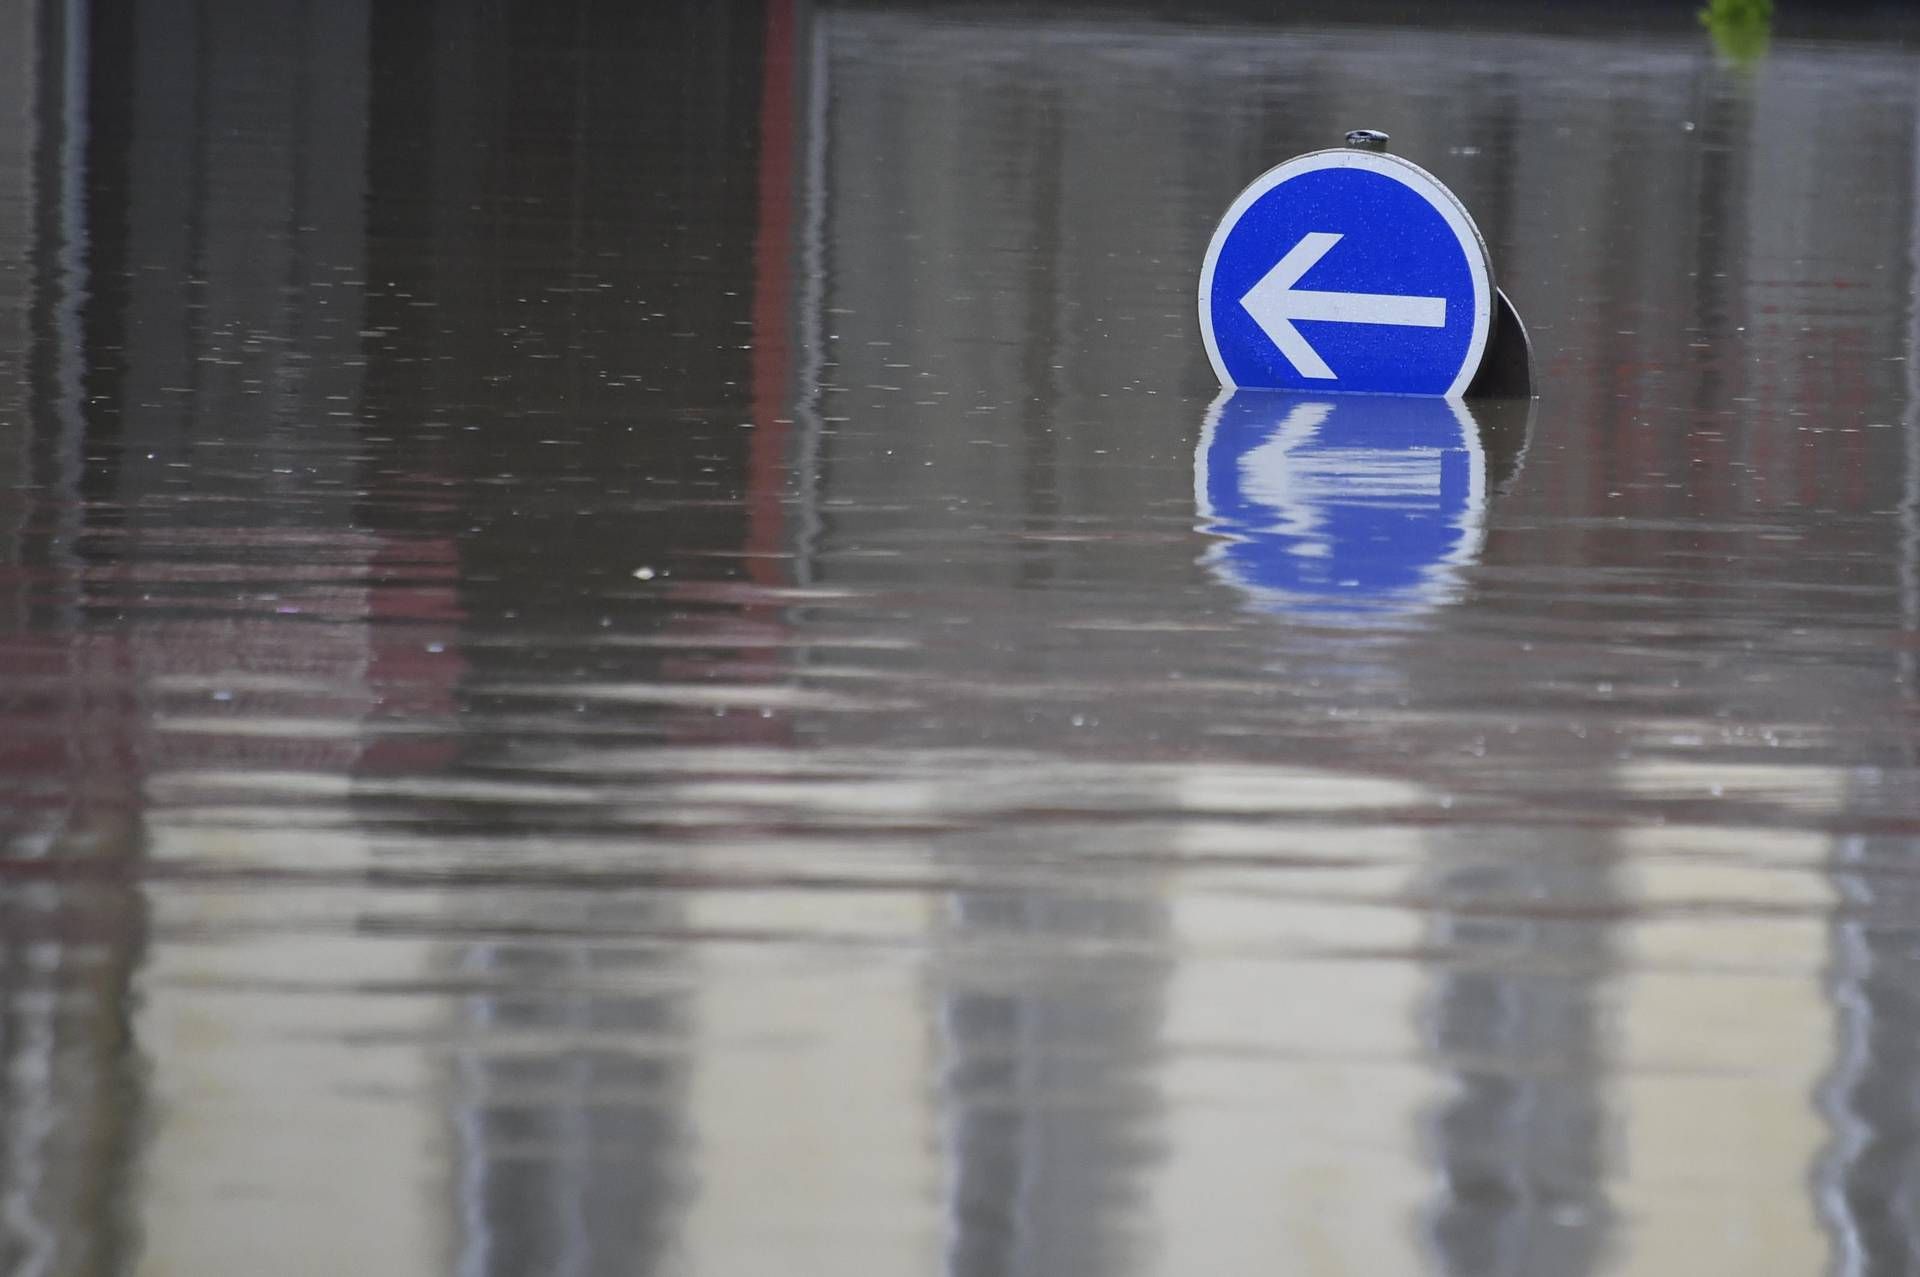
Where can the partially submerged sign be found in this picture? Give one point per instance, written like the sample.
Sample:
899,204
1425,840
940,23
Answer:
1354,270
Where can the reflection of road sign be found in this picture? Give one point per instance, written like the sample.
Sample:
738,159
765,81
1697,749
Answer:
1347,270
1342,507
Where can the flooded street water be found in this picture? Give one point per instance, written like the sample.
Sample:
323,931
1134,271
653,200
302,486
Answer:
635,639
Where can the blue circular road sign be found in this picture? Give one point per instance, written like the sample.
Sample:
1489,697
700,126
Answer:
1347,270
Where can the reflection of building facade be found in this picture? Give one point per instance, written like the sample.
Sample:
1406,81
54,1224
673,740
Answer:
1045,1088
69,942
914,318
229,158
20,39
542,316
1515,1015
1868,1183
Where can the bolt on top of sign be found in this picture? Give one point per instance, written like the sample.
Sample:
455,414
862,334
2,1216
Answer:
1348,270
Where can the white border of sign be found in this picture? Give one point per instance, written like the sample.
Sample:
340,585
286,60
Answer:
1408,174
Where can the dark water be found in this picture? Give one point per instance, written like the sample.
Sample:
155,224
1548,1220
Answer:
631,641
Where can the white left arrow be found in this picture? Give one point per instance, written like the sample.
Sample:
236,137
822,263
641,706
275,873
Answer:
1275,303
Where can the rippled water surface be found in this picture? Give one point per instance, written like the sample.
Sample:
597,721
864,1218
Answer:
633,639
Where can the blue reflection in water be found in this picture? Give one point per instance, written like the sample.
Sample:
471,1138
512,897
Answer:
1342,506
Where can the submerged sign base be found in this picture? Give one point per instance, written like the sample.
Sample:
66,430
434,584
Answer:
1354,271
